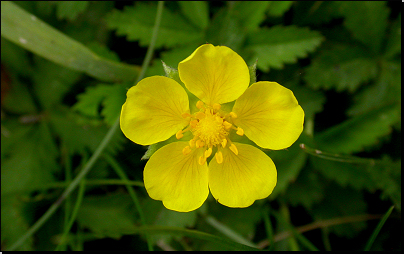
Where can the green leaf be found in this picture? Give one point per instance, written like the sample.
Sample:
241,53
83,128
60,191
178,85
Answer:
13,223
137,25
196,11
278,8
108,216
52,82
70,9
314,12
111,97
393,46
341,202
355,134
311,101
342,67
370,26
385,90
250,14
14,58
31,161
18,100
279,45
31,33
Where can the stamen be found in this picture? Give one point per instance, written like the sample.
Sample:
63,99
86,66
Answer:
224,143
208,152
232,114
240,131
227,125
219,119
219,157
186,150
199,143
199,104
192,143
179,134
193,123
200,115
233,148
186,115
201,160
216,106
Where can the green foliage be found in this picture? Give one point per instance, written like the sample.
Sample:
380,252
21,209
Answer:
64,81
279,45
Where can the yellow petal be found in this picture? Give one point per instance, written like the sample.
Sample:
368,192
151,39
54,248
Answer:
214,74
177,179
241,179
152,111
270,115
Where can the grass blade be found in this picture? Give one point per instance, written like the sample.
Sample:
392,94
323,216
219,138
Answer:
378,228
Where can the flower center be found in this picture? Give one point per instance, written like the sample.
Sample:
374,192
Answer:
210,129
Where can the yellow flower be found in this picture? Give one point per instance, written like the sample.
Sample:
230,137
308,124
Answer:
204,157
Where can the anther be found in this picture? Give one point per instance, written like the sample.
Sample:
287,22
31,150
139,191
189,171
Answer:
193,123
216,106
219,119
199,104
224,143
201,160
227,125
240,131
219,157
192,143
179,134
233,148
208,152
186,150
199,143
186,115
200,115
232,114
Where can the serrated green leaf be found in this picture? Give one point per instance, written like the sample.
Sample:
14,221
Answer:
343,67
108,216
111,97
136,23
70,9
278,8
340,202
196,11
279,45
370,26
393,46
358,132
31,33
386,90
13,223
103,51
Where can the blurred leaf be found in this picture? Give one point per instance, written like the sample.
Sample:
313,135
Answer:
30,162
78,137
358,132
196,11
278,8
306,190
314,12
108,216
137,22
111,97
27,31
340,202
370,26
386,90
341,67
52,82
13,223
344,173
19,100
311,101
279,45
393,46
15,58
70,9
103,51
250,14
